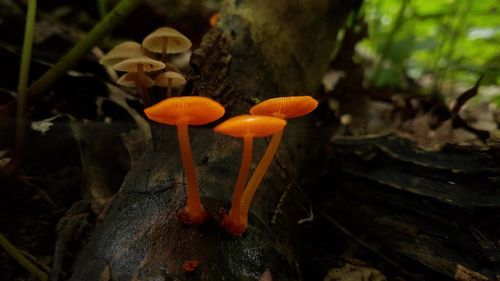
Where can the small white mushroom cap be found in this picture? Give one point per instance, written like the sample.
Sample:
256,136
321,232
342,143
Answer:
177,42
129,79
131,65
120,52
176,78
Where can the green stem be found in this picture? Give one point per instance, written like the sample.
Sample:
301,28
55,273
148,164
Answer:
24,74
102,7
21,259
101,30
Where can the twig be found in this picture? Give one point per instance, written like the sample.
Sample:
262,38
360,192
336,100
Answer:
24,74
102,29
102,7
21,259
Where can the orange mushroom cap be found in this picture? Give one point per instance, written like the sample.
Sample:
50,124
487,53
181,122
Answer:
214,18
285,107
192,110
250,125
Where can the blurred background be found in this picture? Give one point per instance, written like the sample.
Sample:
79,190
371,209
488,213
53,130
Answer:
443,45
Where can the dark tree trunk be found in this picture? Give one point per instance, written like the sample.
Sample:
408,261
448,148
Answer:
262,49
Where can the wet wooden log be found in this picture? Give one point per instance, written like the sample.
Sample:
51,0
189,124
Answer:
439,209
261,49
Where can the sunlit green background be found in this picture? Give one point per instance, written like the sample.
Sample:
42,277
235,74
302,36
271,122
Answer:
443,44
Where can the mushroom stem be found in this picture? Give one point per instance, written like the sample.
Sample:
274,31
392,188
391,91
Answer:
140,86
194,208
169,88
164,46
258,174
235,213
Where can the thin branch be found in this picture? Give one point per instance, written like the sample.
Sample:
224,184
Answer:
21,259
24,74
102,29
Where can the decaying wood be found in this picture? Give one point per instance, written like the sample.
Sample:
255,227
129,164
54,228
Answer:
263,49
437,208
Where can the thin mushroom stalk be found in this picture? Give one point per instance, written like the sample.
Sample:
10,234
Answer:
246,127
183,112
140,86
169,80
139,66
164,48
283,108
235,213
194,207
258,174
160,41
132,79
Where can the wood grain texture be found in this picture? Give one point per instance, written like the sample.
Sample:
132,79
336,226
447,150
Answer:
438,208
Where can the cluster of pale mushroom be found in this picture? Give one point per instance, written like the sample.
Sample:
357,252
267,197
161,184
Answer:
143,71
265,119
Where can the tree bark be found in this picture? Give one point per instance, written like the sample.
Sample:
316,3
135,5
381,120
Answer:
438,208
261,49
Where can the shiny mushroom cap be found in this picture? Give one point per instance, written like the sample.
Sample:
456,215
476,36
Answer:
176,79
250,125
120,52
131,64
129,80
285,107
177,43
192,110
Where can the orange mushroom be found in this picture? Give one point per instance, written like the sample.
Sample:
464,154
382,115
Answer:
246,127
284,108
182,112
214,18
190,265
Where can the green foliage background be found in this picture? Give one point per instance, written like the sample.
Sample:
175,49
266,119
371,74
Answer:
452,41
